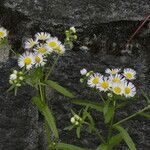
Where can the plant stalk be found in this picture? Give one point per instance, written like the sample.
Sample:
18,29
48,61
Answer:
131,116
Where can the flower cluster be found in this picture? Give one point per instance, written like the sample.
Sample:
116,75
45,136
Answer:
16,78
76,120
38,50
113,82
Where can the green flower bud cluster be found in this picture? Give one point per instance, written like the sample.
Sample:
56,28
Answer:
71,37
76,120
16,78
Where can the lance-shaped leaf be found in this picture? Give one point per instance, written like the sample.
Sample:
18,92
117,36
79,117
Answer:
91,104
59,88
44,109
126,137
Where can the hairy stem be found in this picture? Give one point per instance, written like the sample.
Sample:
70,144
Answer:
131,116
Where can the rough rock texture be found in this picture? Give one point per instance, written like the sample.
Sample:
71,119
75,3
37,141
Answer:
101,44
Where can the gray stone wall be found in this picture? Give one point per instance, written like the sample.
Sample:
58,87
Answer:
103,28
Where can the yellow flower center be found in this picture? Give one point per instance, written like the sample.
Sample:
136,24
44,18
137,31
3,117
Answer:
42,50
95,80
27,61
127,90
52,44
105,85
2,34
129,75
116,80
117,90
37,59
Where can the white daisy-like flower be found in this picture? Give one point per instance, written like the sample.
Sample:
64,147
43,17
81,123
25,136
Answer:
83,71
94,80
129,74
13,77
30,43
3,33
42,36
129,89
43,49
60,49
104,84
117,88
112,71
117,78
26,60
39,60
53,42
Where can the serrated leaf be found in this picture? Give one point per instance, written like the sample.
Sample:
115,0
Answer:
64,146
59,88
93,105
126,137
44,109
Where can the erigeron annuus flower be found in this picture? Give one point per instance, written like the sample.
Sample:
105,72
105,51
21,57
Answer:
129,89
42,36
53,42
39,60
60,49
83,71
94,79
112,71
3,33
26,60
43,49
117,78
117,88
104,84
129,74
30,43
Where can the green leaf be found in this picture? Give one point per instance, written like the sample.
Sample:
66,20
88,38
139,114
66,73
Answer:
145,115
59,88
115,140
44,109
69,128
102,147
109,114
78,130
126,137
93,105
64,146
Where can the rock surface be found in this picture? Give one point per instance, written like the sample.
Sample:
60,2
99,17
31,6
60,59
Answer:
101,44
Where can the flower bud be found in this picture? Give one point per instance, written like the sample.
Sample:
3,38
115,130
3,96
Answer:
75,37
72,120
109,95
76,123
81,80
10,81
76,117
18,84
15,72
73,29
13,77
21,78
20,73
83,71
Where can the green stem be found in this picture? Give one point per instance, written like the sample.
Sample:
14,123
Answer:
131,116
52,68
101,97
97,132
